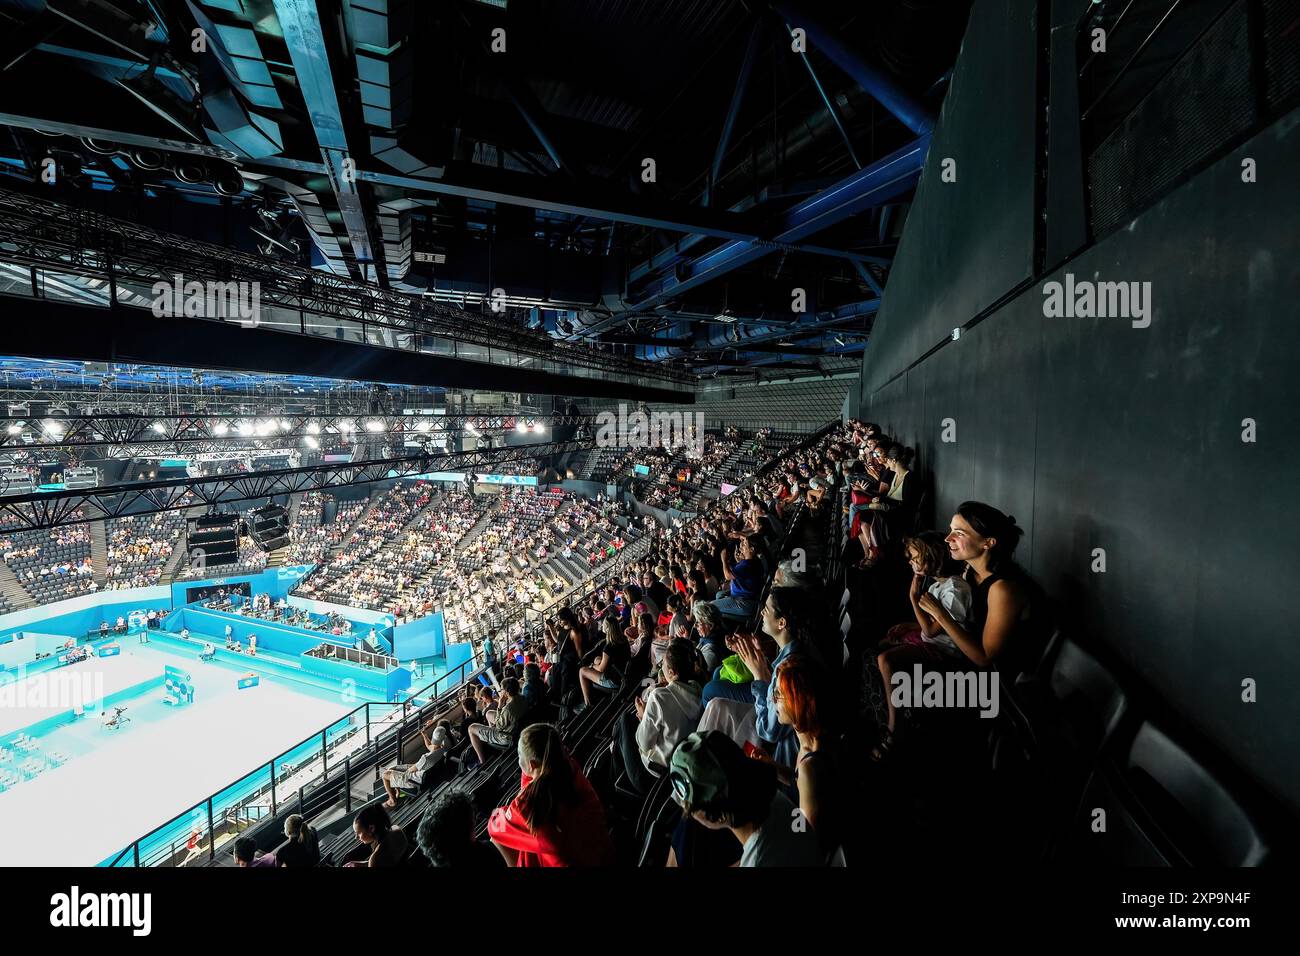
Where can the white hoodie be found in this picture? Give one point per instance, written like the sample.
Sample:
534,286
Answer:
671,715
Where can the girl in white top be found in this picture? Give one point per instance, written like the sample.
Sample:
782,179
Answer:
922,641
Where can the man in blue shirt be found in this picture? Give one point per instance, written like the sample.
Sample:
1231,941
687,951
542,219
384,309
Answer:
744,578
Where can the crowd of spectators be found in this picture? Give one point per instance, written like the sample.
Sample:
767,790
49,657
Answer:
139,546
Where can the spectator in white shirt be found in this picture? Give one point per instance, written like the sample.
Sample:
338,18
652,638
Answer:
665,716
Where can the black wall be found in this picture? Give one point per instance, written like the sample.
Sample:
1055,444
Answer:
1095,434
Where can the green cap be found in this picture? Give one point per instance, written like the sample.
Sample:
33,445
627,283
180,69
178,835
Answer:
704,766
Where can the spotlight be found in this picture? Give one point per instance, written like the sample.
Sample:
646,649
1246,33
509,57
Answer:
15,429
158,427
284,425
245,428
423,426
539,428
310,442
221,428
522,427
313,429
374,425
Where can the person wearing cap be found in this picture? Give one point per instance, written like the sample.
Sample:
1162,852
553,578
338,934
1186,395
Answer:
720,788
437,740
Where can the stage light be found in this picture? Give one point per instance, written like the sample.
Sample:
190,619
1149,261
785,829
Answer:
245,428
284,425
374,426
539,428
346,425
423,426
158,427
15,429
54,429
521,427
310,442
221,428
313,428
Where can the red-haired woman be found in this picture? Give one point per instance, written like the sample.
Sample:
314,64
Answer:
804,700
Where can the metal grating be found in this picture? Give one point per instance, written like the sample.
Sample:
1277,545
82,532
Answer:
1282,51
1205,100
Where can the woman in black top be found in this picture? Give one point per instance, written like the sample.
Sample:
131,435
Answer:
302,848
998,631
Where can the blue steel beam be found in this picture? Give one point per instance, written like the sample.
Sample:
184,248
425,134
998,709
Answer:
868,278
871,78
301,24
733,110
883,179
830,107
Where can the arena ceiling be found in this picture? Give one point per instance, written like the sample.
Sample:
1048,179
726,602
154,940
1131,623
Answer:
489,161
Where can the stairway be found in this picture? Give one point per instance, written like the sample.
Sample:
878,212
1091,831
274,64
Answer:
99,550
15,594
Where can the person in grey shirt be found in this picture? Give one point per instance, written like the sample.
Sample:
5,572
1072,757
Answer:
719,787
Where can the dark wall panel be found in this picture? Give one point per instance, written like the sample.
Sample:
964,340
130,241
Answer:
1100,435
967,242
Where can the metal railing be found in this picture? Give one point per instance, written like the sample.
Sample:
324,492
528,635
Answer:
290,775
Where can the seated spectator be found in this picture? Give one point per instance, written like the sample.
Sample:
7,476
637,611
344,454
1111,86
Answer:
534,687
496,734
470,714
744,578
720,788
557,819
606,671
303,848
437,740
246,854
664,716
446,835
998,630
921,641
708,625
386,843
804,696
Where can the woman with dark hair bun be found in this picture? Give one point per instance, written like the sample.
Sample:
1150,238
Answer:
895,508
1002,595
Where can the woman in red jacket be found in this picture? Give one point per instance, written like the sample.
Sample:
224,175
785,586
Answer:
557,819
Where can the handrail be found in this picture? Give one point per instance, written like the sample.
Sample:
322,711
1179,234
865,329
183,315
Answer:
460,670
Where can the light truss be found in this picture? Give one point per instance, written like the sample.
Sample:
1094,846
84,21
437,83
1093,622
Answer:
127,259
145,436
30,512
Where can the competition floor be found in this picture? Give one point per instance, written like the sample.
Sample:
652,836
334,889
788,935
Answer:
115,785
